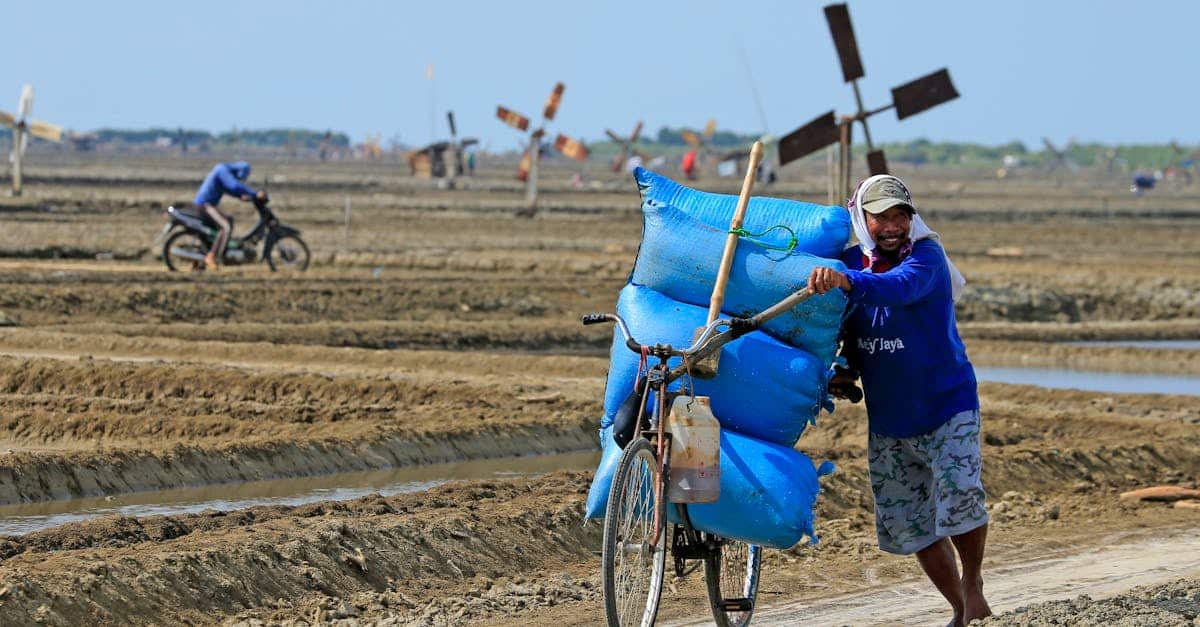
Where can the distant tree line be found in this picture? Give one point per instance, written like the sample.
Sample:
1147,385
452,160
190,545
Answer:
295,137
674,137
923,151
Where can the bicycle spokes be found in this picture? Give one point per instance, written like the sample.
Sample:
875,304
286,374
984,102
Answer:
637,545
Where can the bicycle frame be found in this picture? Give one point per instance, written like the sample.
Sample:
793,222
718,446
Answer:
707,342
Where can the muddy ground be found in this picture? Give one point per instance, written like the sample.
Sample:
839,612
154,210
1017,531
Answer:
436,327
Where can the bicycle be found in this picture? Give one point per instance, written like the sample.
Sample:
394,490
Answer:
633,556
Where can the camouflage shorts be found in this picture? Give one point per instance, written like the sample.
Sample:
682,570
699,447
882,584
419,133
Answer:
927,487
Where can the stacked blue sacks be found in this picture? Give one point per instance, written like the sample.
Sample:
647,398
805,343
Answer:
785,385
771,384
683,238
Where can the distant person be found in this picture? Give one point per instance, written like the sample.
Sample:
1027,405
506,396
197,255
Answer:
901,338
688,165
225,178
1144,182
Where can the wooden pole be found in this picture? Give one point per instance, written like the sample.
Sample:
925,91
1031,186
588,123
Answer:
531,192
346,224
18,135
739,215
830,182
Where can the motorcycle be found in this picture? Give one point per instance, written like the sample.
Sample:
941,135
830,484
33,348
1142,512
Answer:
188,236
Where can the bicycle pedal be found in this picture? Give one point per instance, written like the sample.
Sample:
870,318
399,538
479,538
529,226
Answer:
737,605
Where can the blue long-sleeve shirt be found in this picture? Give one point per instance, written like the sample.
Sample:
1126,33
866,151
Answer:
225,178
902,338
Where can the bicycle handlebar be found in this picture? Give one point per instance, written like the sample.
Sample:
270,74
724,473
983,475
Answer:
709,341
658,350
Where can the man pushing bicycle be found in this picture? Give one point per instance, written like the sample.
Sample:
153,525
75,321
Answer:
901,338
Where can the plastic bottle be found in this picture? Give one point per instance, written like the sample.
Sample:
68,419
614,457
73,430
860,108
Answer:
695,451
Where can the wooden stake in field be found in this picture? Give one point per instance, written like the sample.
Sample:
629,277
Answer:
707,368
22,127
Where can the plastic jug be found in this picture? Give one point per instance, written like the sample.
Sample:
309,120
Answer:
695,451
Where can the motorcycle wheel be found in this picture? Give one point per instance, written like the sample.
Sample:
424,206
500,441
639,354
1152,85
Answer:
289,254
179,250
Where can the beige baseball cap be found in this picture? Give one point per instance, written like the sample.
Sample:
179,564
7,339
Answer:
884,193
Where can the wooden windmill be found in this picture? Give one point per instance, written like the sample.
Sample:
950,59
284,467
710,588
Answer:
527,171
628,146
1183,162
908,99
22,127
1059,158
441,160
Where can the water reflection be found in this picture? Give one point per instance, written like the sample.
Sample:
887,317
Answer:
1185,345
1120,382
20,519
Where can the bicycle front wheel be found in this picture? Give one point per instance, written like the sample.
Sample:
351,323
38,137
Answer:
732,578
634,562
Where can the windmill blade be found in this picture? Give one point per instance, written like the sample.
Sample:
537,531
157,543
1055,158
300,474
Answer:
25,104
468,141
553,101
838,16
7,119
45,130
710,129
924,93
512,118
1052,148
637,132
453,129
809,138
24,143
691,139
571,148
613,136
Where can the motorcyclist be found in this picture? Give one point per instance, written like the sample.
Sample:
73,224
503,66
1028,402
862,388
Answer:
225,178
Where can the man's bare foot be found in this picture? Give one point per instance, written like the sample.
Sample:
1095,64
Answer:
975,606
210,261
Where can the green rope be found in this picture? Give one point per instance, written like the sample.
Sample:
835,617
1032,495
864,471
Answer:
791,245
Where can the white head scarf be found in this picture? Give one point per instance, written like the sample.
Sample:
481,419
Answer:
917,230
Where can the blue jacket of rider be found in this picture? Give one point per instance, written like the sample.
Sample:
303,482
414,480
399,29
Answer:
225,178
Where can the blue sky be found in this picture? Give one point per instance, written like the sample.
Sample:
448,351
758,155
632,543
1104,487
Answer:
1093,70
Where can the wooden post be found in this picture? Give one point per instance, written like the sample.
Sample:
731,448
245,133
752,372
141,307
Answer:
346,224
830,183
18,135
844,164
531,192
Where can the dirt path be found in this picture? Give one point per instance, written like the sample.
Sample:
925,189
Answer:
1119,563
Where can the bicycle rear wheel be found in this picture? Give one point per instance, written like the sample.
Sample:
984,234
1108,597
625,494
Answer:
732,578
633,561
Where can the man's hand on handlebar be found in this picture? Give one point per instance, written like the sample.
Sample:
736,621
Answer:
841,385
823,279
259,195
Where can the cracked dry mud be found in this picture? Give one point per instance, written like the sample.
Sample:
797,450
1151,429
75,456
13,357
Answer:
440,328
